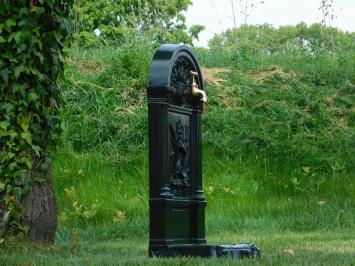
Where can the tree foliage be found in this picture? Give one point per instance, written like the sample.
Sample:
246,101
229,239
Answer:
33,36
266,38
116,22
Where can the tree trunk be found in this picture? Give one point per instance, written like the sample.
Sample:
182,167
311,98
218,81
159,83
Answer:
4,220
40,212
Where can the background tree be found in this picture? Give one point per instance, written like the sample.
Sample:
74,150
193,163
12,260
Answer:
117,22
33,35
269,40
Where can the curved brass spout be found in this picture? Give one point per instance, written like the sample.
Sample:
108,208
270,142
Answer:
195,91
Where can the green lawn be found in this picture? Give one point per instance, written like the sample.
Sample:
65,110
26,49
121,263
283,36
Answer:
278,248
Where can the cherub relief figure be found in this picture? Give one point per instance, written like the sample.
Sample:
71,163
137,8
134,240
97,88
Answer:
179,139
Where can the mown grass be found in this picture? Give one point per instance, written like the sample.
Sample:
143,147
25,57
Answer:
288,248
277,161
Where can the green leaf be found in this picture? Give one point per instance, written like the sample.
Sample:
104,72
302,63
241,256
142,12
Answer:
11,155
12,166
37,10
23,123
10,22
40,56
27,161
58,36
40,44
4,124
13,135
21,48
5,75
40,76
17,35
27,137
18,71
36,149
7,54
32,97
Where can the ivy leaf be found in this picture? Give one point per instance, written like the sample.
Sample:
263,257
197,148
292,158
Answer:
17,35
40,44
32,97
37,10
12,165
5,75
27,137
36,149
18,71
13,135
10,22
24,11
40,56
6,54
27,161
58,36
23,123
40,76
4,124
21,48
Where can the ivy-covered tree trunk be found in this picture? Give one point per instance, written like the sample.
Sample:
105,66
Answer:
40,212
33,34
39,207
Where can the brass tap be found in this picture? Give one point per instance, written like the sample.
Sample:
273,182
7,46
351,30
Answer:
195,91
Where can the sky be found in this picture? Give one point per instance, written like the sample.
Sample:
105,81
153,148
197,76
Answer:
216,15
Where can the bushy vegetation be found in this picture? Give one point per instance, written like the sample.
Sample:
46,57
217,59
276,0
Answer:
290,111
294,90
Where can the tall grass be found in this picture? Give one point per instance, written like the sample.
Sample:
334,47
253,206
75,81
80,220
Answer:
274,127
104,94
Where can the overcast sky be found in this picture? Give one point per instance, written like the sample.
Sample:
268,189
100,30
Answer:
216,15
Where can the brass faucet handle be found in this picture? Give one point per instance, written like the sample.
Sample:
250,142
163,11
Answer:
194,84
194,74
195,91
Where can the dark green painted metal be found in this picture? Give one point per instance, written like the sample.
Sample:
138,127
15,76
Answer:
177,204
